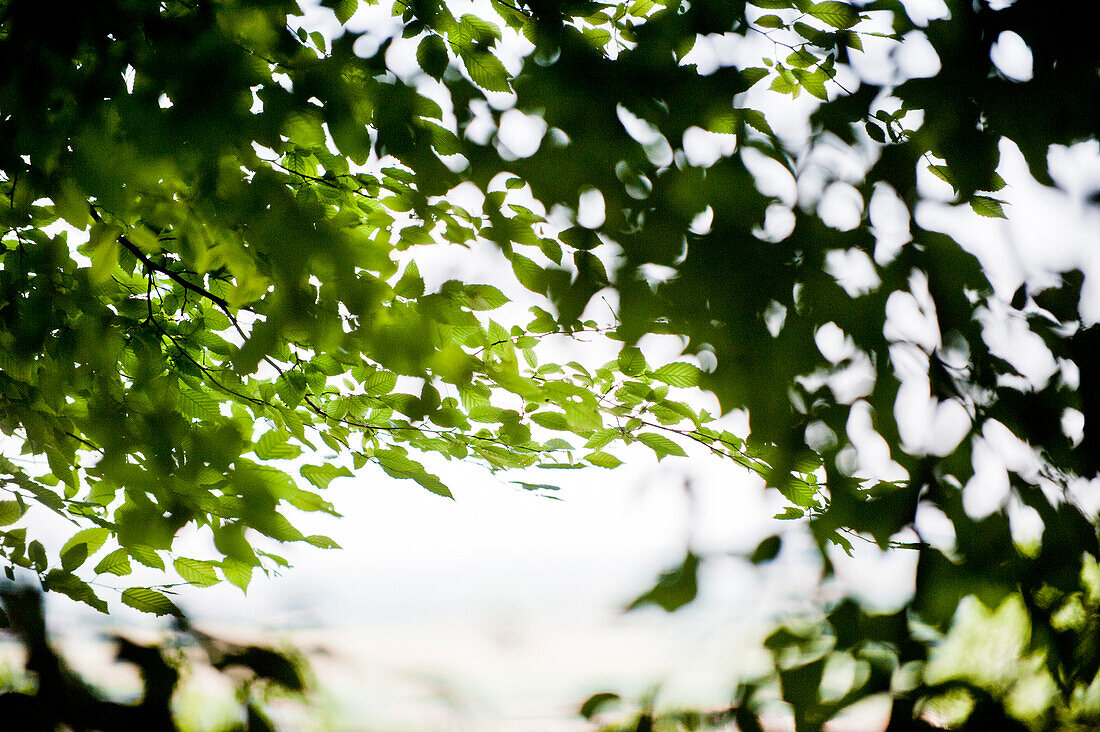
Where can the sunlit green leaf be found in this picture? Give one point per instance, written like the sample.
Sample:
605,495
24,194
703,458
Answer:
432,56
82,545
678,374
486,71
322,475
273,445
10,512
603,460
238,573
149,601
631,361
117,562
837,14
344,9
196,571
662,446
988,207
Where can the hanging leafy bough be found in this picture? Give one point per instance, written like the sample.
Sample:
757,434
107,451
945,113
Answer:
204,274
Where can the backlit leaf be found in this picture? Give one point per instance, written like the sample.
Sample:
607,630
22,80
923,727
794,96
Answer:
117,562
432,56
662,446
988,207
837,14
487,71
678,374
149,601
273,445
10,512
344,9
322,475
196,571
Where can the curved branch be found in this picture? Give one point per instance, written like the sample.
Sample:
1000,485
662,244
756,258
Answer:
174,276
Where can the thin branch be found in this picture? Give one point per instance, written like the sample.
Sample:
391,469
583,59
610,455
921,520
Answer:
153,266
183,352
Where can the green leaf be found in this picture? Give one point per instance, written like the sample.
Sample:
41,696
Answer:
837,14
678,374
551,420
37,554
117,562
598,37
484,297
380,382
487,71
662,446
238,573
784,83
273,445
754,74
602,438
816,36
529,274
536,486
72,586
801,59
74,557
767,550
603,460
11,511
757,121
198,405
146,555
813,82
275,525
988,207
196,571
433,484
598,703
322,475
941,172
103,242
82,545
674,589
851,39
344,9
432,56
72,205
148,600
770,21
411,285
632,362
322,542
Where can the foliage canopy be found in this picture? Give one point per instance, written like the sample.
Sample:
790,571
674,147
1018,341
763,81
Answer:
234,284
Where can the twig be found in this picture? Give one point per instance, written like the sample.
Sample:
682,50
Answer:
175,277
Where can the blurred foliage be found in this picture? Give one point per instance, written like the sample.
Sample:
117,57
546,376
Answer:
60,699
234,286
